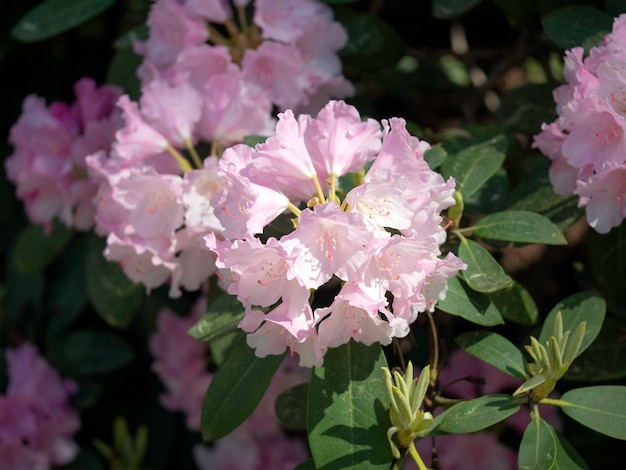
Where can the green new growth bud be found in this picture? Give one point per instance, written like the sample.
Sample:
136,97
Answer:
551,362
456,211
406,395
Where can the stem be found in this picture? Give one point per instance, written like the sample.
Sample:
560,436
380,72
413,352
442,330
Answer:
217,38
396,346
182,161
194,155
241,16
434,348
447,402
318,188
232,29
416,457
554,402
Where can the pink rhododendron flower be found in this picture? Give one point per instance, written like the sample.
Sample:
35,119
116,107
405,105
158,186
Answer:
50,146
36,420
332,240
587,142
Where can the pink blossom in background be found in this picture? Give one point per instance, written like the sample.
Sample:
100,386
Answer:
587,142
180,363
36,419
298,169
288,50
50,146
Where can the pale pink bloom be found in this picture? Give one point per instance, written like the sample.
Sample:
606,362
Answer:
327,242
604,195
333,88
142,263
215,11
354,314
196,262
50,170
285,20
318,45
339,142
171,31
172,110
279,70
283,161
233,108
179,361
36,420
137,140
199,188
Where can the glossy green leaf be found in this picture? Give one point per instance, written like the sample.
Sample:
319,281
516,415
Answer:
307,465
253,140
584,306
435,156
52,17
90,352
473,166
452,8
236,389
291,406
605,359
483,272
495,350
578,25
519,226
473,306
543,448
515,304
607,260
525,108
477,414
348,409
122,72
35,249
224,315
68,295
115,297
601,408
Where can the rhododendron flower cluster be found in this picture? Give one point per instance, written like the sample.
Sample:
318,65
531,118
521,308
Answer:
36,420
379,241
283,54
180,362
50,145
587,142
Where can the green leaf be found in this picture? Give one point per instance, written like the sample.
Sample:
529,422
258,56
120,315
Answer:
515,304
542,447
56,16
601,408
464,302
291,406
583,306
115,297
525,108
307,465
519,226
122,72
68,294
236,389
90,352
605,359
495,350
473,166
477,414
607,260
348,409
451,8
435,156
578,25
252,140
223,317
483,273
35,249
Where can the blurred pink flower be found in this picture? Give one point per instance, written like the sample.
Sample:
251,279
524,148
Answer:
36,420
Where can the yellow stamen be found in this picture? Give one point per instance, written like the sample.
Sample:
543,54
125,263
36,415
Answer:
182,161
194,155
318,188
